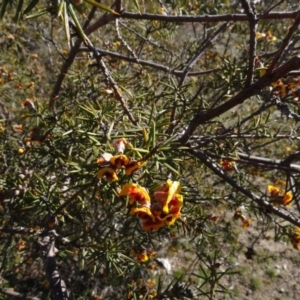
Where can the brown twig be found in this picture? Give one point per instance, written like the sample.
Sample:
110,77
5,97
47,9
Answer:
288,160
266,163
208,42
202,117
149,63
117,93
118,4
258,200
200,138
252,40
208,18
285,43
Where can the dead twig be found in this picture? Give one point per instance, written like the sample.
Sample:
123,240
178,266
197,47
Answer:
208,18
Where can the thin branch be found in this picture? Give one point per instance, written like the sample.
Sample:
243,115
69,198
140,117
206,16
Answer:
118,6
200,138
267,163
144,39
287,161
149,63
258,200
117,93
208,18
68,201
193,59
262,108
285,43
208,42
130,50
252,40
202,117
289,49
271,7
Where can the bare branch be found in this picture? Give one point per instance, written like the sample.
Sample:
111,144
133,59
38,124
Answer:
200,138
117,93
262,162
18,230
208,42
131,51
206,18
149,63
266,80
271,7
285,43
252,40
118,6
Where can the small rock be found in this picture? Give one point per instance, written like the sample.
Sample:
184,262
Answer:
164,262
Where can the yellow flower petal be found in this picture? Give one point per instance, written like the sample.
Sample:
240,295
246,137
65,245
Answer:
143,212
246,222
119,160
109,173
133,165
135,192
142,257
274,191
286,199
174,187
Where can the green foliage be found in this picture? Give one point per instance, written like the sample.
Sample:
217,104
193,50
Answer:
167,88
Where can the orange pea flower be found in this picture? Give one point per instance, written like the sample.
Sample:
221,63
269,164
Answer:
109,173
133,166
136,193
119,160
227,165
163,209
